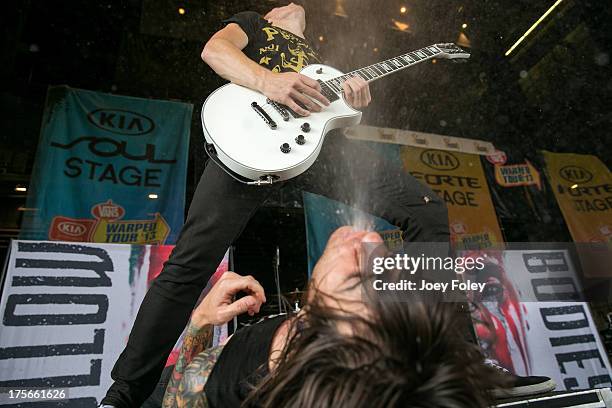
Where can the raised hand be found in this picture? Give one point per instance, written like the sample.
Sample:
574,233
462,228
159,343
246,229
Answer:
218,306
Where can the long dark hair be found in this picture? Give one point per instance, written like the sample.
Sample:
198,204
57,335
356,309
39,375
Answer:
408,353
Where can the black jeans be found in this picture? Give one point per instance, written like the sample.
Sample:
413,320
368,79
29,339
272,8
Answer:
346,171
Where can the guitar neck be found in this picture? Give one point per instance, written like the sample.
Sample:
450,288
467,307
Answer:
386,67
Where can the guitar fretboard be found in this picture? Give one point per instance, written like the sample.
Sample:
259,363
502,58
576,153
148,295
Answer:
381,69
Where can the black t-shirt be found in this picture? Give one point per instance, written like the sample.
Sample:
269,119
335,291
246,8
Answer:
271,46
242,363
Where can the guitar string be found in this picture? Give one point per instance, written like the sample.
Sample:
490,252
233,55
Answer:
388,62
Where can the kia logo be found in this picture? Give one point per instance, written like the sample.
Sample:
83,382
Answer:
121,121
71,228
575,174
439,160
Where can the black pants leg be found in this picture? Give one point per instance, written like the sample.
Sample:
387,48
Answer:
156,399
220,209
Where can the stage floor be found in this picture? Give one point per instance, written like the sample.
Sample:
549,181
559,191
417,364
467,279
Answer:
579,399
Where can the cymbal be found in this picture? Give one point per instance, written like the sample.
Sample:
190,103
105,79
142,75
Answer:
290,294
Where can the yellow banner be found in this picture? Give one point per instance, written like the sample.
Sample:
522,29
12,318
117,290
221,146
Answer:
153,231
460,180
108,226
583,188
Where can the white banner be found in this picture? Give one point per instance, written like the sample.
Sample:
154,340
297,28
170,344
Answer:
529,321
564,345
67,310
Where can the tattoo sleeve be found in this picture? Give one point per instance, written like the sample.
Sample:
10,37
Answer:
191,388
196,340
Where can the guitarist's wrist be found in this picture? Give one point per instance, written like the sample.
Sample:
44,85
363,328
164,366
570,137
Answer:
261,80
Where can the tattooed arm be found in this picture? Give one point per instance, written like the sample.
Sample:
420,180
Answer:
191,388
217,307
197,339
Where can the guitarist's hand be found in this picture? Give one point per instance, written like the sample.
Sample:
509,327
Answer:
357,92
291,87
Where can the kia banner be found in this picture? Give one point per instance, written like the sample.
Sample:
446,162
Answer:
582,185
459,179
109,169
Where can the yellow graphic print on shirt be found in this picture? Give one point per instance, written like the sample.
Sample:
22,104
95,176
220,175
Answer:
296,56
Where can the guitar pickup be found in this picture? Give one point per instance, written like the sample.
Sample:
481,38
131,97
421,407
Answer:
281,109
293,113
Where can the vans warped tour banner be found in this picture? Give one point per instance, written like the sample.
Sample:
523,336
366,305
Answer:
583,188
520,194
109,169
66,312
530,319
459,179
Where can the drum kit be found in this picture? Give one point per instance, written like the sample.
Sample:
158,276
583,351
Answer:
288,302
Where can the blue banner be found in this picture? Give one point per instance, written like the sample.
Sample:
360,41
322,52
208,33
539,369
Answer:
109,169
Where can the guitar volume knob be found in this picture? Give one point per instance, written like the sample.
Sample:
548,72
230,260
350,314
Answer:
285,148
300,140
305,127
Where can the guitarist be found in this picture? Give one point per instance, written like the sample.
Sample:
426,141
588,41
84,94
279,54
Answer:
264,54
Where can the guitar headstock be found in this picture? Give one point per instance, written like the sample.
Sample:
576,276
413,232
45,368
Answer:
451,51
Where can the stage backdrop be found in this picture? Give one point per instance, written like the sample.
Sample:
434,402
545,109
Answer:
459,179
583,187
108,169
67,310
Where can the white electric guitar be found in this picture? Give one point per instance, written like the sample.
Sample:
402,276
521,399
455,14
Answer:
259,141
